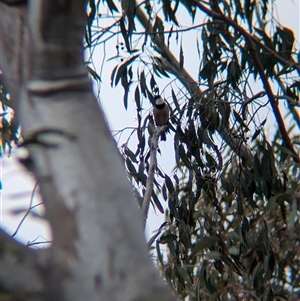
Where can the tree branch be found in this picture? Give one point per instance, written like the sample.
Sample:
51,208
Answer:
18,266
28,210
154,136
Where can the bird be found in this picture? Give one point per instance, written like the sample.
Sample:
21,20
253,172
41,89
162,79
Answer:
161,114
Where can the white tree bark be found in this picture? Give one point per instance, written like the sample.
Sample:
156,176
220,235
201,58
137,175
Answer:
98,251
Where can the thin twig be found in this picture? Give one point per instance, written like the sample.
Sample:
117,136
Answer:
34,242
28,211
248,101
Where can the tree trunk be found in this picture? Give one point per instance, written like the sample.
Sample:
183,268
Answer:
98,250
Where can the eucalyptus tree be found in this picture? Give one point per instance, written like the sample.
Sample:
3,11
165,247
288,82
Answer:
232,218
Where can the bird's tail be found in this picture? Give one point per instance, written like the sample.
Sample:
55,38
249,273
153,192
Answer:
163,136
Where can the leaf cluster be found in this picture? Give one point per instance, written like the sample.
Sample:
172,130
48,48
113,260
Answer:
8,124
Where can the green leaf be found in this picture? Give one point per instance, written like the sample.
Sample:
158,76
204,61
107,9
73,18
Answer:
169,36
183,276
130,166
169,184
209,71
292,215
152,239
172,249
153,84
181,57
164,192
211,287
271,261
184,231
125,83
111,5
130,154
288,39
234,73
256,133
157,203
258,282
164,239
248,9
159,254
224,109
93,73
211,162
159,28
213,255
189,5
137,99
112,76
233,251
125,34
143,84
204,243
245,228
169,13
90,19
227,186
175,101
159,71
123,68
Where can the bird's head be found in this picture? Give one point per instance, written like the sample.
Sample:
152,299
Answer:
159,100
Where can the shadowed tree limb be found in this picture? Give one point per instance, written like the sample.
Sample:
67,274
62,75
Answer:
18,266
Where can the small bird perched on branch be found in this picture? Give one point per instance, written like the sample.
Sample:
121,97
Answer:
161,114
